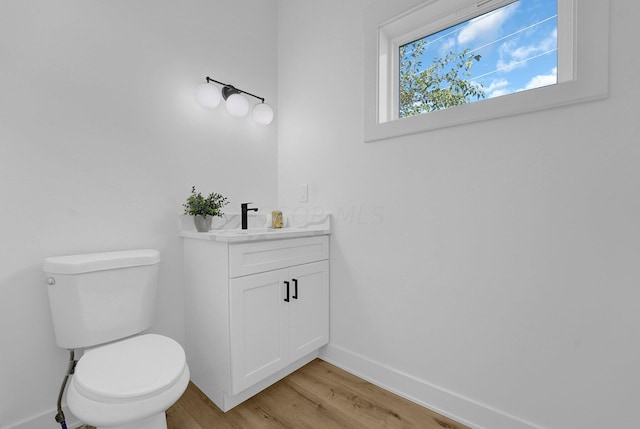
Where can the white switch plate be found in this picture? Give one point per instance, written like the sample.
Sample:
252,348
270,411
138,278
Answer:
303,193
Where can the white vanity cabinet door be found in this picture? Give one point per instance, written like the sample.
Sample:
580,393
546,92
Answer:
309,309
259,327
276,318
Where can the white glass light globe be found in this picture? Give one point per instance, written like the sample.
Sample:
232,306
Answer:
208,95
262,114
237,105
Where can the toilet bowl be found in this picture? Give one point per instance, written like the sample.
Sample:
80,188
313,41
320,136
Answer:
128,383
104,303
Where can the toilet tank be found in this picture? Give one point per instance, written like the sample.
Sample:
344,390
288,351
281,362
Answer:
96,298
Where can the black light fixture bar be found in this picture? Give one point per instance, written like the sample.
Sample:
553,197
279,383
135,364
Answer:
228,90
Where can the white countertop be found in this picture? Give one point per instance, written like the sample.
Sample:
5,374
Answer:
227,231
254,234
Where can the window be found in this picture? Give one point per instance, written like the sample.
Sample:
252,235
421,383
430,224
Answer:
447,62
509,49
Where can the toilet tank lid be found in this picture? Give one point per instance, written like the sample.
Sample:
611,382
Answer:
88,262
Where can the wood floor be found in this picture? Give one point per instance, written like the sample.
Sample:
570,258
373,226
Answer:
317,396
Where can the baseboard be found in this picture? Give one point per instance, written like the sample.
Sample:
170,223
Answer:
449,404
48,420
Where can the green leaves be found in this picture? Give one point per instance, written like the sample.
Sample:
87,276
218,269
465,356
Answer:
197,204
441,85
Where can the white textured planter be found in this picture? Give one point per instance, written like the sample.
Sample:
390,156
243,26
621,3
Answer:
202,223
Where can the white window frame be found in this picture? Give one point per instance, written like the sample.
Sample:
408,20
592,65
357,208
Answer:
583,62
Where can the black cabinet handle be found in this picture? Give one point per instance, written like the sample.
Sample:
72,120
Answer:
287,298
295,288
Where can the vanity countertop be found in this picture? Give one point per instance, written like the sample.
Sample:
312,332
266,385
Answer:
254,234
228,231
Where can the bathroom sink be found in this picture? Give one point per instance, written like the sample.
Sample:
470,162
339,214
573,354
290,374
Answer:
251,231
256,234
243,231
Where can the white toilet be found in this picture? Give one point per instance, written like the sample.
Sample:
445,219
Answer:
101,302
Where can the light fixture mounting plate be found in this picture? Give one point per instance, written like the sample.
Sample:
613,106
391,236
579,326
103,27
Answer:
229,90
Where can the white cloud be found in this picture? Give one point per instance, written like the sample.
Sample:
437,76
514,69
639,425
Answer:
524,52
499,92
485,27
447,45
513,56
495,84
497,87
505,62
543,80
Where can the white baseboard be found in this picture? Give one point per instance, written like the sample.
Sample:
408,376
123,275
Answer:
449,404
47,420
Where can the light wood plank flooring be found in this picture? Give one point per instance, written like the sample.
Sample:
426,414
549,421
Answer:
317,396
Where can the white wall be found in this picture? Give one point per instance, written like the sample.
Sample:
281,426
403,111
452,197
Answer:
492,265
496,261
100,142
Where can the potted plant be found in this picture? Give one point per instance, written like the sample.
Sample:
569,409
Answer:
204,209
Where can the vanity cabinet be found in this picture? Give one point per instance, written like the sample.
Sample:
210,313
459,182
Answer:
254,312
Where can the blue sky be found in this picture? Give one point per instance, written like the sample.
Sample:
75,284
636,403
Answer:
517,44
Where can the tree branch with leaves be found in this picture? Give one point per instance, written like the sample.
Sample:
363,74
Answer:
444,83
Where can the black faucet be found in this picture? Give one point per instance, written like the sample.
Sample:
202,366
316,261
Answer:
245,210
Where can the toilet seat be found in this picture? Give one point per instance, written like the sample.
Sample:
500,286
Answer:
130,370
144,367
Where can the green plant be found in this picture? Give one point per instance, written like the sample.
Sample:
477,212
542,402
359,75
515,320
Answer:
441,85
197,204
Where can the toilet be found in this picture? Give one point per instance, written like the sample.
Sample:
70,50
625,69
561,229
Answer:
102,303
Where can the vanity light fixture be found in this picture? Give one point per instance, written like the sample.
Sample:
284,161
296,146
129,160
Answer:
237,104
